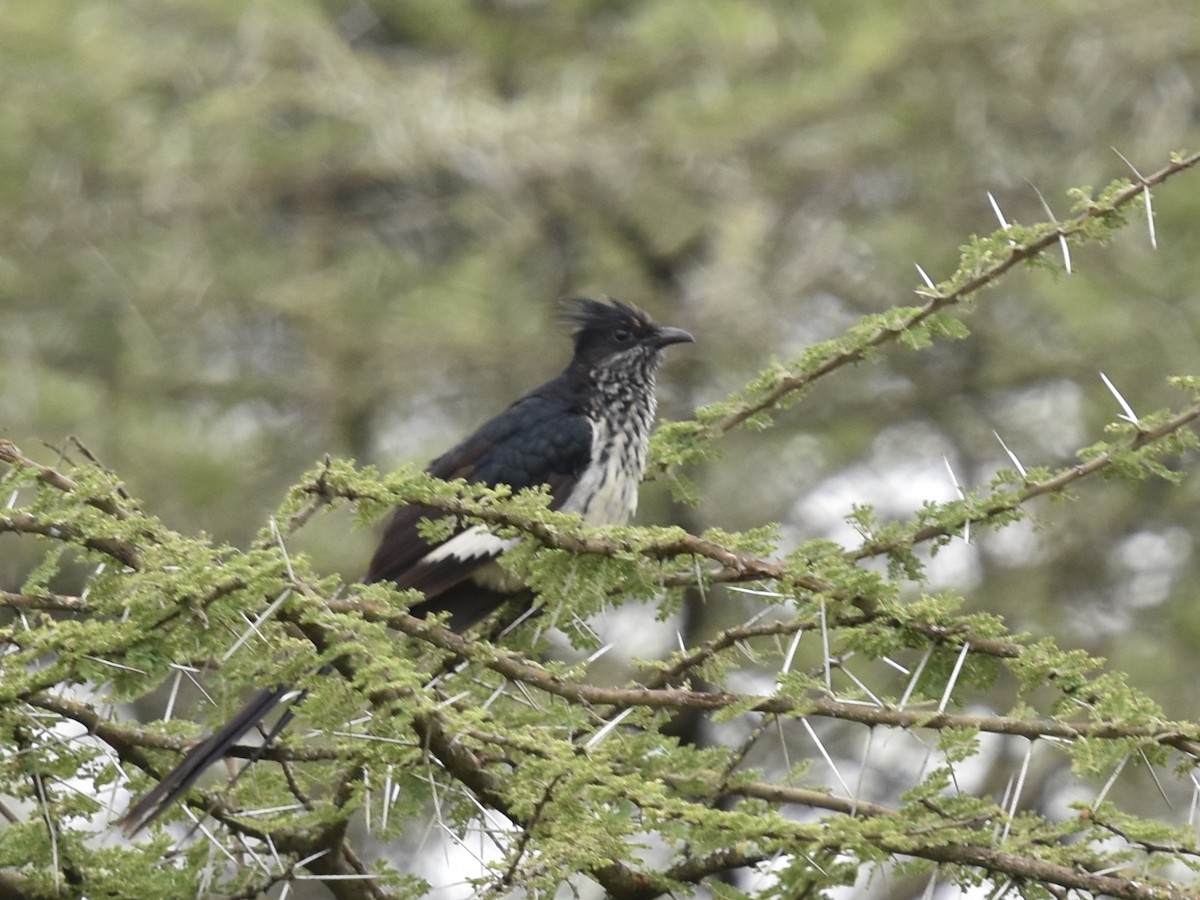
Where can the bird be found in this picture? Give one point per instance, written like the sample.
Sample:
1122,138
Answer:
582,435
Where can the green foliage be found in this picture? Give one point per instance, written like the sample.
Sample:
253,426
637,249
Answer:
230,232
586,772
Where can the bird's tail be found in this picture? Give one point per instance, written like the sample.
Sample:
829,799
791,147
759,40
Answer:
176,782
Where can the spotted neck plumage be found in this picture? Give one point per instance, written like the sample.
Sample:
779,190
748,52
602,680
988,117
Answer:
622,417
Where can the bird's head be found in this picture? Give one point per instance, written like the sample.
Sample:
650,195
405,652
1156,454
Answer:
615,333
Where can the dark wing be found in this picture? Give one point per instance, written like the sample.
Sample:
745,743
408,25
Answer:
538,440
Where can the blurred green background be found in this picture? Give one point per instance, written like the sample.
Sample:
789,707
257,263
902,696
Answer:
237,236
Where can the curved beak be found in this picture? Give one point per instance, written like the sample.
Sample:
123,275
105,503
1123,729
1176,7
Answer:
665,335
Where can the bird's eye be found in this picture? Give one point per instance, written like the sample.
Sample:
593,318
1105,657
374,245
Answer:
622,335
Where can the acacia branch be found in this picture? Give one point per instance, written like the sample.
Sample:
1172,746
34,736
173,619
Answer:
25,523
47,602
982,277
1185,738
562,531
1014,500
48,475
924,843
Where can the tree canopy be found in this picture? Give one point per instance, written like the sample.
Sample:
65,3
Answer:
259,254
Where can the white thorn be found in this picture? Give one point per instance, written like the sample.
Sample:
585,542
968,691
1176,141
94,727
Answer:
953,477
1154,775
1146,194
1150,218
212,838
274,852
521,619
387,800
496,695
1129,414
791,652
783,746
996,210
450,701
1016,462
962,496
530,700
862,686
287,560
916,676
604,732
1132,167
247,850
756,593
599,653
958,664
254,626
1108,784
1126,161
304,862
863,768
1062,238
954,778
270,810
367,805
816,865
173,696
925,277
828,759
825,648
115,665
1042,198
1016,794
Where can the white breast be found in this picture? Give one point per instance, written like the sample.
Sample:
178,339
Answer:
607,492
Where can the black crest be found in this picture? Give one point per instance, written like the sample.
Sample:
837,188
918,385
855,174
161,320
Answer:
603,330
594,318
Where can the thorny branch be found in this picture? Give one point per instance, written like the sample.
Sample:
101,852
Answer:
516,668
935,303
349,877
564,532
1032,489
620,881
658,693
